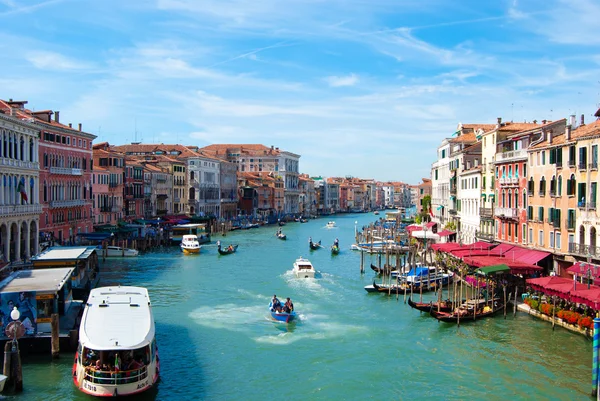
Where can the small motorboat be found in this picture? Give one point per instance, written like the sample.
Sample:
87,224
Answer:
190,244
117,252
331,224
376,213
280,314
303,268
229,250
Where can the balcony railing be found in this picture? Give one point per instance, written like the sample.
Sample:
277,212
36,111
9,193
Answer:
507,212
552,192
593,165
581,204
582,165
19,163
67,203
453,190
105,209
558,164
19,210
484,236
452,212
511,155
113,184
591,205
486,212
571,163
584,250
66,171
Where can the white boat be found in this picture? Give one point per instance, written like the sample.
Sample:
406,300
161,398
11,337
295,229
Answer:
190,244
2,382
115,251
331,224
426,276
303,268
117,353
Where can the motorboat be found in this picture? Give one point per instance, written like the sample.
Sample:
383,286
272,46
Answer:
190,244
117,353
281,235
426,277
117,252
280,315
303,268
331,224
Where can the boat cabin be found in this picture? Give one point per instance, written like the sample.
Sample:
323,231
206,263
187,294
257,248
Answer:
199,230
38,294
84,260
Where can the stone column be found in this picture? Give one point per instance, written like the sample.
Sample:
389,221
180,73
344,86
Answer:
7,243
36,238
18,243
27,240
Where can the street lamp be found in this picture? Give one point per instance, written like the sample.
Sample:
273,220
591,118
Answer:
15,315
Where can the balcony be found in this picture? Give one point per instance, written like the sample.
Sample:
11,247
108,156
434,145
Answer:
511,155
452,212
486,212
584,250
67,203
581,204
484,236
591,205
19,163
593,165
453,190
506,212
514,180
105,209
502,181
558,164
176,199
582,165
20,210
571,163
115,209
66,171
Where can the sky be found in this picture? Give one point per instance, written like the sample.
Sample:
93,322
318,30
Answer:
362,88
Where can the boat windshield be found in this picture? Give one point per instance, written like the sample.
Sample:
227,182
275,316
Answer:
115,367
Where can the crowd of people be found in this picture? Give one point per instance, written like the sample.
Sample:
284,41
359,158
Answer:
105,364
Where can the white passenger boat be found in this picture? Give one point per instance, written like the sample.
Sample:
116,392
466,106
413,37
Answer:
303,268
331,224
117,252
190,244
117,352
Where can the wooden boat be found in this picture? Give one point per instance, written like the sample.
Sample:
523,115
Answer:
381,270
383,288
281,236
445,306
467,312
230,249
314,245
335,249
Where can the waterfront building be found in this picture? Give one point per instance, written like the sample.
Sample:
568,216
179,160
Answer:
308,196
489,139
160,191
327,194
260,158
468,201
388,191
204,190
133,190
440,184
101,194
110,203
229,191
20,207
423,190
511,172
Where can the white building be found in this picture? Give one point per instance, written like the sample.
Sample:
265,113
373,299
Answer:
469,199
20,207
440,183
289,169
204,191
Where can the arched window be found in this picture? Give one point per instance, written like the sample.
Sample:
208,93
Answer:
516,198
553,186
559,186
10,145
571,184
543,186
509,199
31,158
531,186
22,148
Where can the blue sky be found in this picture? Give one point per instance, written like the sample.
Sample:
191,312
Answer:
366,88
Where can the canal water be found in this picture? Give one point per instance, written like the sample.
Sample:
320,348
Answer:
217,341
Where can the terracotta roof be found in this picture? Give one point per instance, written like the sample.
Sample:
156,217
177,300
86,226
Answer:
223,149
475,127
588,130
150,148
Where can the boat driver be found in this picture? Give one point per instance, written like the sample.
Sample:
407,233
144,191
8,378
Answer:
275,304
289,306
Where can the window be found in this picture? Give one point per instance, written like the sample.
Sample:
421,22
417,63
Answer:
582,158
541,238
524,237
531,186
558,244
559,191
572,156
543,157
540,213
551,239
531,235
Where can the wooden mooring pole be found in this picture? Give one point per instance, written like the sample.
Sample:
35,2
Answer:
55,340
12,367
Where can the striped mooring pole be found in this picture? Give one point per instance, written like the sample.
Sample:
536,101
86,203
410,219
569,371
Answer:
596,344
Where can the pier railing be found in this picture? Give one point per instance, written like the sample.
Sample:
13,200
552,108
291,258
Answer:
115,377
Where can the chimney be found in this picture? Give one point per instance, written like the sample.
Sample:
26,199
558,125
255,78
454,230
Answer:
568,132
582,120
499,121
544,121
572,120
549,132
56,116
79,126
535,121
70,125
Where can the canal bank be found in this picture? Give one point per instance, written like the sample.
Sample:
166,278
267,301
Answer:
217,342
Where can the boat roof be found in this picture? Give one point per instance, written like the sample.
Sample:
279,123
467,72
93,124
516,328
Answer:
39,280
117,318
64,253
190,225
190,236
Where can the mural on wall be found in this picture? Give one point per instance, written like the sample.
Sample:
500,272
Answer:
26,305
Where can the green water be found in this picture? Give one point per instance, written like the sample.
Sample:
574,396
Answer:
217,341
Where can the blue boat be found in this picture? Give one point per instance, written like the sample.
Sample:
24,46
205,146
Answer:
281,316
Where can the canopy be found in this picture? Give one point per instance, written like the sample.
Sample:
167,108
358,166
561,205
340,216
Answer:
425,235
516,267
445,233
494,269
568,289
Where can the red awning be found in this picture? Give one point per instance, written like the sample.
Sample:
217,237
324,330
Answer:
430,224
445,233
481,245
568,289
515,267
501,249
583,295
541,283
527,255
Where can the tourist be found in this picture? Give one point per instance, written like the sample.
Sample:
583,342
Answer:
289,306
275,304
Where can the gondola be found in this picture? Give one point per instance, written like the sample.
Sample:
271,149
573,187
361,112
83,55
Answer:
227,251
335,249
466,315
281,223
427,307
315,245
281,236
386,289
381,270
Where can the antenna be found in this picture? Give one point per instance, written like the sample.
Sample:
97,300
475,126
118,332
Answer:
135,129
512,112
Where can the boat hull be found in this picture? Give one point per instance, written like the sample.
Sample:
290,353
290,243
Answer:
189,251
227,252
284,317
448,317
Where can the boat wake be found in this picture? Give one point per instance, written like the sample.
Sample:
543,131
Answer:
311,284
311,331
227,316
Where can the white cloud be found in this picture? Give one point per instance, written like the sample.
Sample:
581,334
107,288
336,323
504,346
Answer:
46,60
348,80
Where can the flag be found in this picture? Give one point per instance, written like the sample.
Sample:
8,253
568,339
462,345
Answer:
430,211
21,189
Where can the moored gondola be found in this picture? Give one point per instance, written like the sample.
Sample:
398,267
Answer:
465,315
444,306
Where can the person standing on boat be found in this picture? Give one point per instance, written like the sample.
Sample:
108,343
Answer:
336,242
289,306
275,304
310,240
